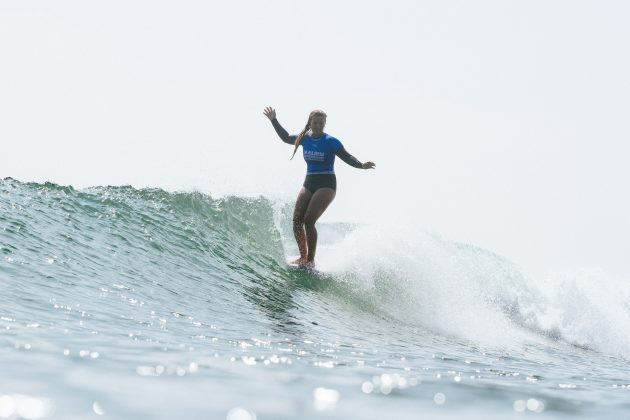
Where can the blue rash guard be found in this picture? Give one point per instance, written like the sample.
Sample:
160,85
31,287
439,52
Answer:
319,154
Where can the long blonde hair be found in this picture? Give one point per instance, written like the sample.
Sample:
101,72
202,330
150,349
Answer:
298,140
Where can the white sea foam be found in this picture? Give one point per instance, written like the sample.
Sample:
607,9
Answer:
461,290
588,309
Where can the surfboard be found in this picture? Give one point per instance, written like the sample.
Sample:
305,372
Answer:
304,268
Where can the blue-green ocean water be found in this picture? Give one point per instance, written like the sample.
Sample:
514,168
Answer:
145,304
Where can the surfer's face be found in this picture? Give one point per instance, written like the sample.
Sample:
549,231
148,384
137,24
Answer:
317,125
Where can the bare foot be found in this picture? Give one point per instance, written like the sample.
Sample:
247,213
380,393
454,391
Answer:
304,263
300,261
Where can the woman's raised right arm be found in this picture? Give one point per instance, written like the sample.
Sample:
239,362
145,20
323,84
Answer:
282,133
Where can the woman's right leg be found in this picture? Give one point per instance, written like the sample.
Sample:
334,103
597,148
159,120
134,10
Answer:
301,204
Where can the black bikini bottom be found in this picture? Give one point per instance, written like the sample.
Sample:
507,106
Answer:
315,182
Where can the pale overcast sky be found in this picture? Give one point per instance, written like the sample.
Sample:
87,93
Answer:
497,123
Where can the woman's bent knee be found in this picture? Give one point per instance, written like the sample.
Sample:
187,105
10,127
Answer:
310,223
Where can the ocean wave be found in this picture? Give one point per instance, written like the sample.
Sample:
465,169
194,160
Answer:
197,249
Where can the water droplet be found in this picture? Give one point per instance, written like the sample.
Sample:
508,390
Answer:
367,387
535,405
439,398
239,413
325,399
98,409
519,406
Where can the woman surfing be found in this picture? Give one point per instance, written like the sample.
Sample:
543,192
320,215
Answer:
320,185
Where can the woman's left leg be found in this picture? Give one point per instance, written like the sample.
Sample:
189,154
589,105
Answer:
319,202
301,204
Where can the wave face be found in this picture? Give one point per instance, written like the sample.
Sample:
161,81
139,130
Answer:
139,284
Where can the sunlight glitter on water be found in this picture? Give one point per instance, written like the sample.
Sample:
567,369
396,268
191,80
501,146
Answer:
24,406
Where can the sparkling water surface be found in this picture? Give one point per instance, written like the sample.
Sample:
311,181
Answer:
127,303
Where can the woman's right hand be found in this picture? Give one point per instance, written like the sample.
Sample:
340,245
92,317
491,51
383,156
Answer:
270,113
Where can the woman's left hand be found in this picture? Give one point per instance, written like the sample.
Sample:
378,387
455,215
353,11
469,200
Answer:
369,165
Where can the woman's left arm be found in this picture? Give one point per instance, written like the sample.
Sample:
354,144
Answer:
343,154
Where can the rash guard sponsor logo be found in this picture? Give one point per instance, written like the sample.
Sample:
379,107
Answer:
313,155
